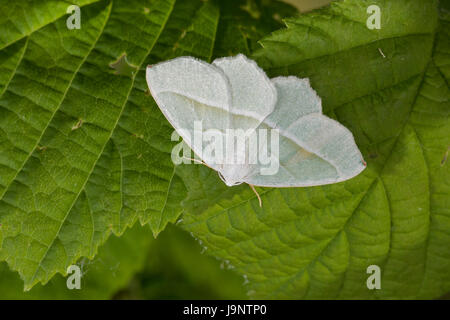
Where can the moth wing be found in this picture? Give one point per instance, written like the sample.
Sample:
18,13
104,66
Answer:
253,94
313,149
296,99
253,98
187,91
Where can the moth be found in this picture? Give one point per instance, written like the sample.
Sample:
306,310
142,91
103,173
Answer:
233,94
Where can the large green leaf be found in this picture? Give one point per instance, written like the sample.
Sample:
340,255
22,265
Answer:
390,88
63,180
84,150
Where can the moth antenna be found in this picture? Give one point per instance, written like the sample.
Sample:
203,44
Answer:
198,161
257,194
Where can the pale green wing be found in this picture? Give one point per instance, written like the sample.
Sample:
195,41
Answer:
253,99
253,94
313,149
187,91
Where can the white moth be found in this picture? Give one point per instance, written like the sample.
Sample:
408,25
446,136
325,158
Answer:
234,93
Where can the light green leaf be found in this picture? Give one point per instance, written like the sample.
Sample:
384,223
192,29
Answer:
390,88
84,150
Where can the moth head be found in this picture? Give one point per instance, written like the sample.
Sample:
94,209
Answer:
229,181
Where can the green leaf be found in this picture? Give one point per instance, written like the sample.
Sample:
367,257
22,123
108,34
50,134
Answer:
111,270
20,19
390,88
84,149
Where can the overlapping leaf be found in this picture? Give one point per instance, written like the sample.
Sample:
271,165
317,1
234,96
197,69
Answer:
390,88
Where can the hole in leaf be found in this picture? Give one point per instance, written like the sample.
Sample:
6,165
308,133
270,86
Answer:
123,67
